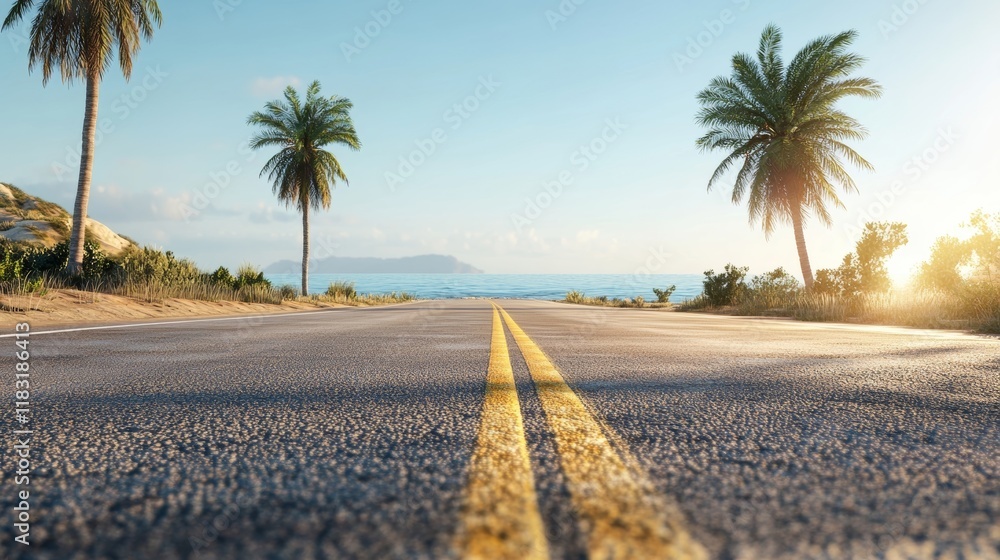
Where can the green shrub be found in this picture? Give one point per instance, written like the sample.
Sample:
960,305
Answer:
954,262
663,296
941,271
775,290
825,283
153,275
725,289
34,263
985,245
342,290
10,267
288,292
151,265
863,271
13,278
249,275
222,277
97,265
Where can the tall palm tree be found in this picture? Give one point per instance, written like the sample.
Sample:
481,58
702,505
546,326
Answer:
783,126
82,38
302,171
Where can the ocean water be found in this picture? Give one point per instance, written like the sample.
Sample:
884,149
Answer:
506,286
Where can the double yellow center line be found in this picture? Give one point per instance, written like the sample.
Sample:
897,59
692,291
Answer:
500,518
620,513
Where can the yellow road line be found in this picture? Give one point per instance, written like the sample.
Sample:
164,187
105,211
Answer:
620,513
500,516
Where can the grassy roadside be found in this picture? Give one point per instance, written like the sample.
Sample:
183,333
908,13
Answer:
918,309
662,300
142,283
958,287
78,307
902,308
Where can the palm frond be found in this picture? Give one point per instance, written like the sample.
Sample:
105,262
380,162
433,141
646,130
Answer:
780,126
16,13
769,56
80,39
303,173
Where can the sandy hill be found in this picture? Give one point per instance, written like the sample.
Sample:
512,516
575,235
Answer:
29,219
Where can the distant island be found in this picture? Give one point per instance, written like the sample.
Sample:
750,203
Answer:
421,264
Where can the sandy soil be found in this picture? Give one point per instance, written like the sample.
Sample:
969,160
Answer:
73,307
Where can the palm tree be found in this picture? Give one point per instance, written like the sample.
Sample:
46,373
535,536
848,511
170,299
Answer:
782,125
82,38
302,171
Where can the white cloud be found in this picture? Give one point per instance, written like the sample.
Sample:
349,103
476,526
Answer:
115,204
173,208
269,87
267,213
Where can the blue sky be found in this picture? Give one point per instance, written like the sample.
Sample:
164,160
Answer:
595,100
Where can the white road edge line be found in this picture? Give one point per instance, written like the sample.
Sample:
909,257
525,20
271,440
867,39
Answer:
208,320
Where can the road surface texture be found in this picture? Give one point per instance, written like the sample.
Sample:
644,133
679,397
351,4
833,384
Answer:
455,429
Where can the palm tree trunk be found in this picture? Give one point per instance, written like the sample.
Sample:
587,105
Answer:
305,250
78,232
800,242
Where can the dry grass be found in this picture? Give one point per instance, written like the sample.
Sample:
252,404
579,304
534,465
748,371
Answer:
156,291
153,291
20,302
363,300
974,308
638,302
977,309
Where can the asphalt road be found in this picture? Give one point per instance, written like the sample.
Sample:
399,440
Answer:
373,433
